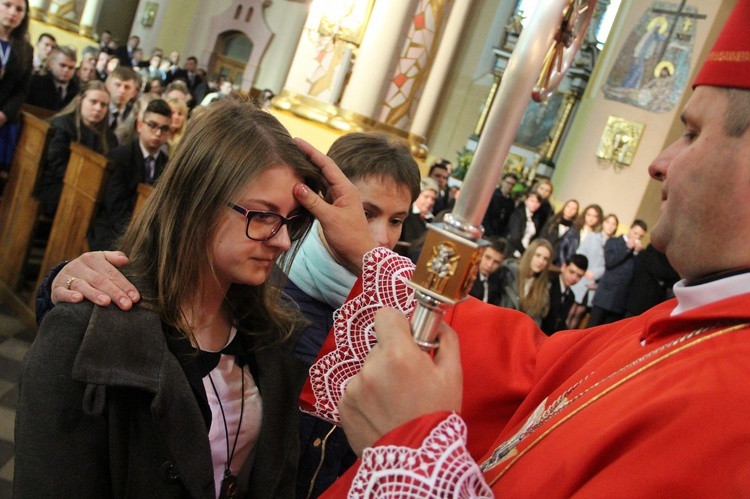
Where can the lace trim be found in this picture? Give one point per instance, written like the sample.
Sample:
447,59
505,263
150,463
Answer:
384,277
440,467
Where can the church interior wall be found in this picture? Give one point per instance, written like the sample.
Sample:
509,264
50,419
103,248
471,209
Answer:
626,191
150,35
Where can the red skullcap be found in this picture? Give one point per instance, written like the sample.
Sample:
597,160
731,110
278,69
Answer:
728,64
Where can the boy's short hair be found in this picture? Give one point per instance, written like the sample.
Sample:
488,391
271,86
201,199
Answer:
579,261
160,107
361,155
124,73
499,244
442,164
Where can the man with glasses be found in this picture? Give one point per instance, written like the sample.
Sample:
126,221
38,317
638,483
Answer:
141,161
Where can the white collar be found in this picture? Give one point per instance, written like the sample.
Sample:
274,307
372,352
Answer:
145,153
691,297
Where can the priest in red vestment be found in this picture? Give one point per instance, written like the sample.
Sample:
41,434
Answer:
653,406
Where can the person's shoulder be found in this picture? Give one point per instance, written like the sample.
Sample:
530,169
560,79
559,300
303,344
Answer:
63,122
65,323
41,80
125,152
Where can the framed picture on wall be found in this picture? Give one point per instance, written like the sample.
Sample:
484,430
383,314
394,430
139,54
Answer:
539,120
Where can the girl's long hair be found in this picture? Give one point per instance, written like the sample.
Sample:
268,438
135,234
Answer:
19,43
536,302
169,242
580,221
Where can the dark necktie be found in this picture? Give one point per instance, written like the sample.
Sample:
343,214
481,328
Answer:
115,115
149,165
61,93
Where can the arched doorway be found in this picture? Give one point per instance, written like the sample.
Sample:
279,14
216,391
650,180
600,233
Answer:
230,56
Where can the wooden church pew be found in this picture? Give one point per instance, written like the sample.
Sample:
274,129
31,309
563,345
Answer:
83,187
19,208
144,191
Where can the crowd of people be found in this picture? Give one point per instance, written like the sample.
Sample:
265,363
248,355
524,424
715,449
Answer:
53,79
548,265
180,374
106,98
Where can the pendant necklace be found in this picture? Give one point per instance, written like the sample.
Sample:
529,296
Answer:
229,483
4,58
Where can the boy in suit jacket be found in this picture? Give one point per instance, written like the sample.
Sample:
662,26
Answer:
140,161
619,260
561,297
491,275
55,89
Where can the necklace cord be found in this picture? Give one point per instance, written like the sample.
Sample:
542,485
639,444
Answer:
230,456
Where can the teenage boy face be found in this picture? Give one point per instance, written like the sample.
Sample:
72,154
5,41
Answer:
121,90
386,204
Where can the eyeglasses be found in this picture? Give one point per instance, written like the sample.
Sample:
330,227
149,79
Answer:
263,225
154,127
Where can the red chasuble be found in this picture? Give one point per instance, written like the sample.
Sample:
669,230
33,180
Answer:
646,407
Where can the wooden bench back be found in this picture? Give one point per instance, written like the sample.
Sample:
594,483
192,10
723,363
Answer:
144,191
19,208
83,187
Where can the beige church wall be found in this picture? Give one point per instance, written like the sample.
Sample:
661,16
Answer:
178,30
469,83
627,191
150,35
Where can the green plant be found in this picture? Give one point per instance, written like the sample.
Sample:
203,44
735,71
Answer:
462,165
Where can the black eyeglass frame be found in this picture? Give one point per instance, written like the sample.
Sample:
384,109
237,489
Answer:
154,127
294,234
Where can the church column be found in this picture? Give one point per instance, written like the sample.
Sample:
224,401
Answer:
287,22
375,58
89,17
441,67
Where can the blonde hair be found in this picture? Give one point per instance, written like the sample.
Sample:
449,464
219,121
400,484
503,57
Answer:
535,302
169,242
176,135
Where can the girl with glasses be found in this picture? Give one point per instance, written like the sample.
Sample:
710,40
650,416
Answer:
193,392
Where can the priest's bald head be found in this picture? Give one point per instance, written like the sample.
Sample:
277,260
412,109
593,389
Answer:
705,216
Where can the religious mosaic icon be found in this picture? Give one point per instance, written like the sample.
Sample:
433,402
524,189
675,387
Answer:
653,67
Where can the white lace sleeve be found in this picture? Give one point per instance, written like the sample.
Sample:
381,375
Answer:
440,467
384,276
